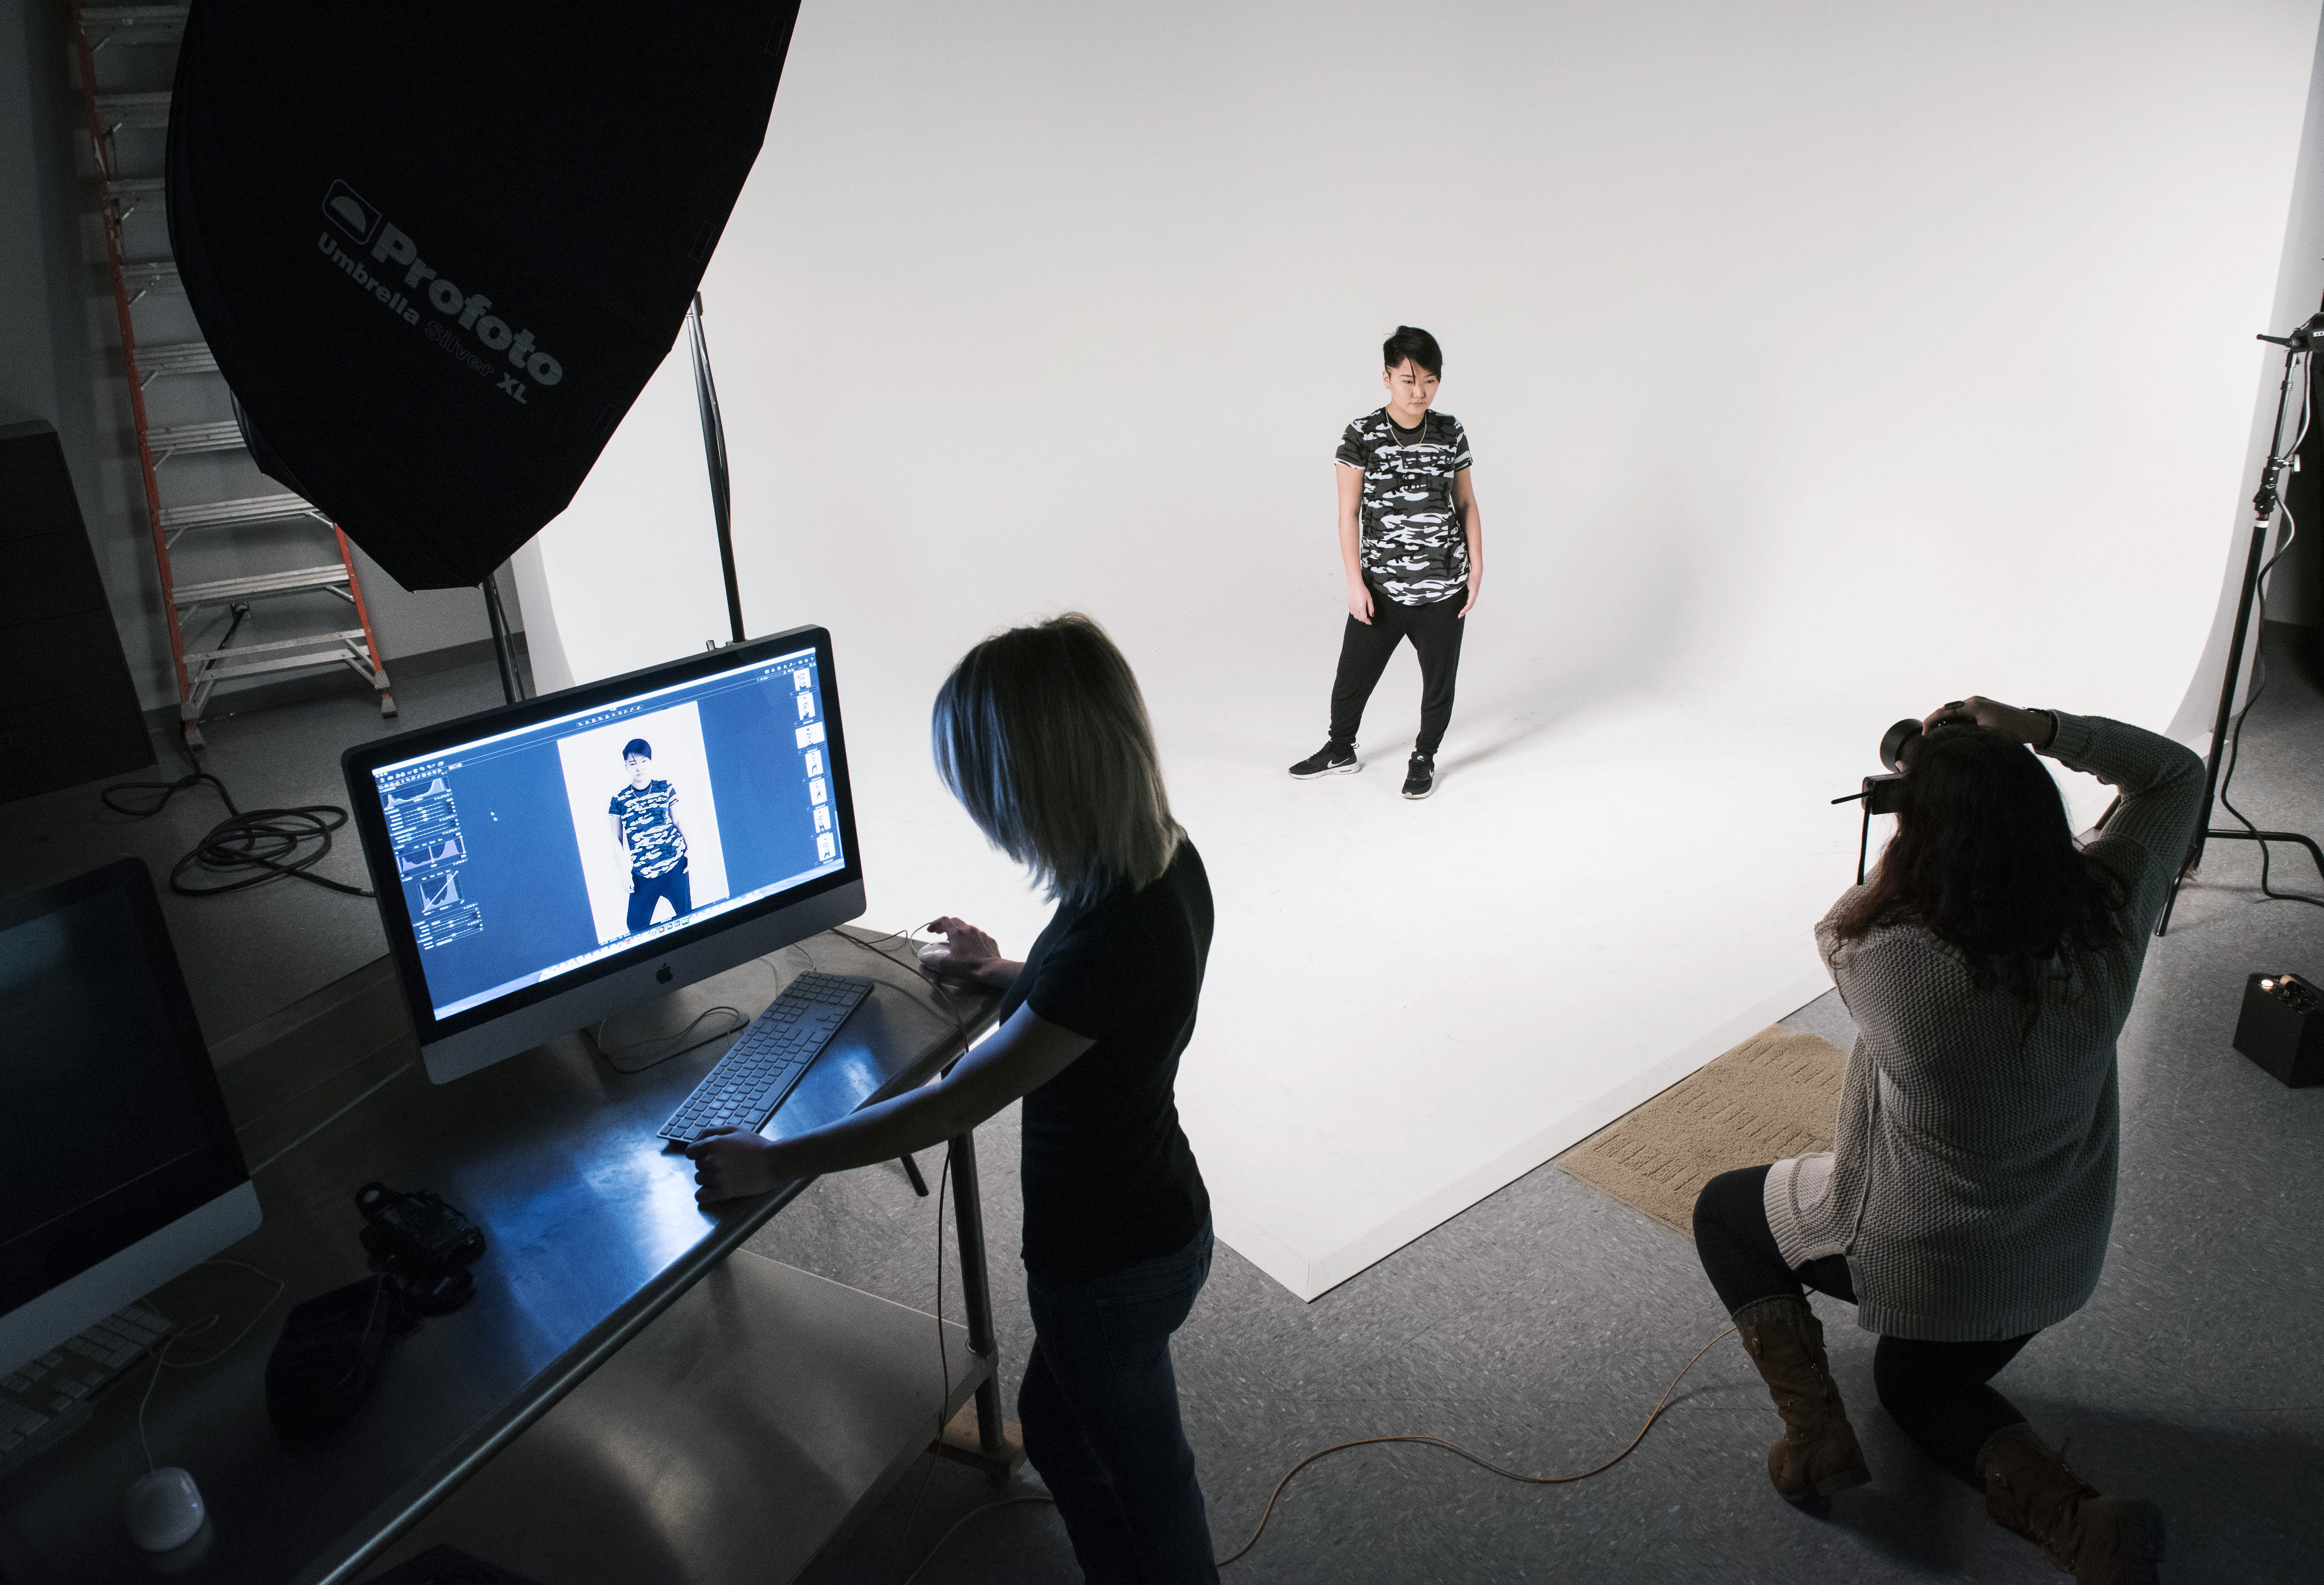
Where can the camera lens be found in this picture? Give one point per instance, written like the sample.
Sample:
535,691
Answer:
1896,741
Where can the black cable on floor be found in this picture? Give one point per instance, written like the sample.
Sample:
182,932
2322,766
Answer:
2235,754
2259,675
275,843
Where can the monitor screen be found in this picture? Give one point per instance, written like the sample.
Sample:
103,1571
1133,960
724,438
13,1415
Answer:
531,850
112,1126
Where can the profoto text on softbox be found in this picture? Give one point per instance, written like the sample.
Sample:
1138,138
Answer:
437,250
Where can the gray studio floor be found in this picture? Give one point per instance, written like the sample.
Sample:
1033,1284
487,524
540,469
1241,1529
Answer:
1539,1326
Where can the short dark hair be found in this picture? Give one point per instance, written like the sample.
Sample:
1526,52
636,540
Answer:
636,745
1410,341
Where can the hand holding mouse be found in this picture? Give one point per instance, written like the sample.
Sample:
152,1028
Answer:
969,954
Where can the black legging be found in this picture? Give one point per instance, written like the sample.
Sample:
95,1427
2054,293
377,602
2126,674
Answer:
1935,1392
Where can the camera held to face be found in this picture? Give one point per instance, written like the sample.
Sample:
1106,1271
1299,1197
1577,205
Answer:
1884,794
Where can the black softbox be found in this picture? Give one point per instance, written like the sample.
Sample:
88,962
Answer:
438,249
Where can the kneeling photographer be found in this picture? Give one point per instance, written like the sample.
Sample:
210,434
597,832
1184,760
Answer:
1989,964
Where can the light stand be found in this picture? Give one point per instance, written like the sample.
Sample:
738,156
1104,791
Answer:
2264,504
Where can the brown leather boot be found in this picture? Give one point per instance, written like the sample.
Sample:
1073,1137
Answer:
1818,1455
2100,1540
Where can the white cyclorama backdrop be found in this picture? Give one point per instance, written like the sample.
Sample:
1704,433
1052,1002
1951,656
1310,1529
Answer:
1822,363
594,771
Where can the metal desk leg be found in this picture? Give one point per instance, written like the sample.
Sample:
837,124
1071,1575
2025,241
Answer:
975,1289
1000,1446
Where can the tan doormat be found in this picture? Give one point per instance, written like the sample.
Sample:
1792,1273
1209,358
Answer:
1772,1097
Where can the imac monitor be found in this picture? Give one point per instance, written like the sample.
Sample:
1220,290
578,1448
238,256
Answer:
542,866
118,1165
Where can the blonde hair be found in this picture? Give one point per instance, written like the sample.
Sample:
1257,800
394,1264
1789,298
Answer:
1042,735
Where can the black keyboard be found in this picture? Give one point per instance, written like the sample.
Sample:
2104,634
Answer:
759,1070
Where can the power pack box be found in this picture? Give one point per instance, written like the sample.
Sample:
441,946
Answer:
2282,1028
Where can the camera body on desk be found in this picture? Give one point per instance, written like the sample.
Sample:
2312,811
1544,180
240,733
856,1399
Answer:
2282,1028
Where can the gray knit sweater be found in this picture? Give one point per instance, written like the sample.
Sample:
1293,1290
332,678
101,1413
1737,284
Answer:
1970,1182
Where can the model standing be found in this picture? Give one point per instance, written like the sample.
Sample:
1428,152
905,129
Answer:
645,826
1414,548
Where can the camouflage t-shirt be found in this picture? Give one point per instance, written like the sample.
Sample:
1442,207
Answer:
1414,549
656,843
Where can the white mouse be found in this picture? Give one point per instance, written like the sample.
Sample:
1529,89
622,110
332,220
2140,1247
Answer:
935,955
163,1509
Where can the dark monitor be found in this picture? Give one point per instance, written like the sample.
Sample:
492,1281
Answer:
544,865
118,1165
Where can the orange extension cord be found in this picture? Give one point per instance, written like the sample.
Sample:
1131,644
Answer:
1447,1444
1479,1459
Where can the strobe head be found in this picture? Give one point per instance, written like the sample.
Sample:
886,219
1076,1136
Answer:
2304,336
1895,742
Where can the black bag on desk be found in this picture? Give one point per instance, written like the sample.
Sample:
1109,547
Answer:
329,1350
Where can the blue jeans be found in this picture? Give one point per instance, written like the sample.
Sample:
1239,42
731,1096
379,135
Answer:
1100,1409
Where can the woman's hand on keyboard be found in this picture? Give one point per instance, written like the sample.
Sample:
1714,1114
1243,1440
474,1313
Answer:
730,1164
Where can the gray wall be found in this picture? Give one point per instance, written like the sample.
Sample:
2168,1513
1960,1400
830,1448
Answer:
60,347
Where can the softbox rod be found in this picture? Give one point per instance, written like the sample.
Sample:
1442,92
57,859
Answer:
713,456
510,692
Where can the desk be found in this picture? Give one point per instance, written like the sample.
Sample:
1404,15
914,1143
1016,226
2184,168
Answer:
595,1234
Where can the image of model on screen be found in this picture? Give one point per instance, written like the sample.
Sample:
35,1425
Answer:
1042,735
1413,546
652,842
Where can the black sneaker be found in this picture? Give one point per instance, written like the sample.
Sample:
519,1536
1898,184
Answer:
1420,776
1331,760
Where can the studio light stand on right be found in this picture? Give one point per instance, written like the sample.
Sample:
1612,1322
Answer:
2299,348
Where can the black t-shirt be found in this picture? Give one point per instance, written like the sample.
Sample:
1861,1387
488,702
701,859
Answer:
1108,1178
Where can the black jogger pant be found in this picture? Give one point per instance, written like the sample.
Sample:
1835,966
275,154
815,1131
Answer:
1935,1392
1435,630
645,891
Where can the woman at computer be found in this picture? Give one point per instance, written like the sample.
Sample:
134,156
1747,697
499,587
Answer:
1966,1202
1042,734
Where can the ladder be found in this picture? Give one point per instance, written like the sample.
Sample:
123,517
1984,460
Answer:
250,551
